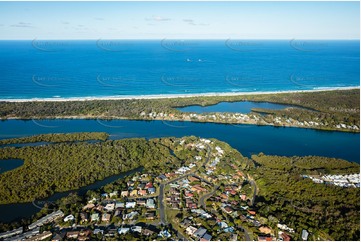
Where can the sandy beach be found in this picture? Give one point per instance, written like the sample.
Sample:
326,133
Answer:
162,96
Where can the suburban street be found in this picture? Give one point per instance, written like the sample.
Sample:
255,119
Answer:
255,189
162,213
202,200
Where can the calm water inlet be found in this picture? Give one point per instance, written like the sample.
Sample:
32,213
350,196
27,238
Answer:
10,164
233,107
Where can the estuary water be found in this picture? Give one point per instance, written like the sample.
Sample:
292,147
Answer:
234,107
247,139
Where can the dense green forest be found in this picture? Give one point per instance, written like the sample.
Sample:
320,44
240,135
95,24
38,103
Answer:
324,210
66,166
329,107
58,138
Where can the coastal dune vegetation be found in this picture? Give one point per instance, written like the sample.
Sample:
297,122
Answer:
335,110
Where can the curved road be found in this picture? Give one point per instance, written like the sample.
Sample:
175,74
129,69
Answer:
206,196
162,215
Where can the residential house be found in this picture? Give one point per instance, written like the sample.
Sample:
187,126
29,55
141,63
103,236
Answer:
233,192
234,203
119,205
304,234
84,235
285,236
228,209
59,236
124,194
174,185
72,234
11,233
98,231
264,238
193,179
165,234
224,196
141,202
200,232
150,215
150,203
130,183
110,233
188,194
147,232
40,237
256,223
206,237
170,175
251,212
130,215
84,217
148,185
109,207
106,217
162,177
185,223
136,229
123,230
118,212
235,214
94,217
142,192
113,194
133,193
130,205
198,189
265,230
151,190
191,230
190,204
89,206
99,208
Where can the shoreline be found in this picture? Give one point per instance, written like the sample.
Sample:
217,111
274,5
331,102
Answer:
98,119
169,96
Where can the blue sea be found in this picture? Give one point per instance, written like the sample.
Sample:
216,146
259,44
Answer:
100,68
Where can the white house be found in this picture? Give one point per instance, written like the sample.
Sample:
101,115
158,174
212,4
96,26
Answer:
130,205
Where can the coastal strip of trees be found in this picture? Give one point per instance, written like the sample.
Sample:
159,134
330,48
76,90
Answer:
328,107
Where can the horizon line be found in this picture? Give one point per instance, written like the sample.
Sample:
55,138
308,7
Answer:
337,39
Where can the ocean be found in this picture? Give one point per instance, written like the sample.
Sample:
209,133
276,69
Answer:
103,68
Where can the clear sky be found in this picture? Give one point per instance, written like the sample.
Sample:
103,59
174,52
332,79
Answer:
196,20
